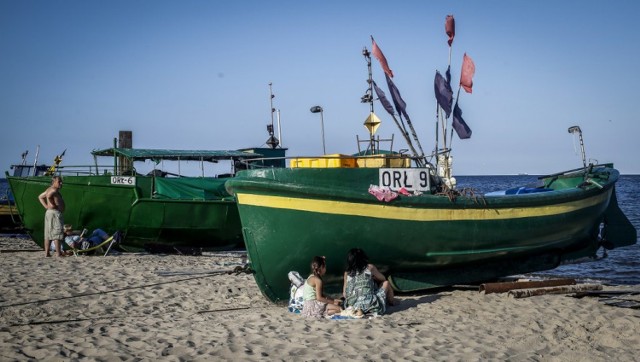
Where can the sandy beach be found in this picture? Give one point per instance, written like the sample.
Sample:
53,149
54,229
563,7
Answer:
183,308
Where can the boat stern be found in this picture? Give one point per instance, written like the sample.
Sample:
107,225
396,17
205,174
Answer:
618,230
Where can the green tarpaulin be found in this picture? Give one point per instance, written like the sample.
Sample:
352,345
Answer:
190,188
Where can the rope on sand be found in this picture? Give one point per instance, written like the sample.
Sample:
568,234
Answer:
35,323
60,321
237,270
19,250
221,310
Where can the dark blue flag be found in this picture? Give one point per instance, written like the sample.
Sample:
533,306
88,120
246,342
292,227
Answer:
459,124
397,98
383,99
444,94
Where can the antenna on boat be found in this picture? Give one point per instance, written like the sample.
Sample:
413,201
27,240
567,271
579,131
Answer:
279,128
35,160
272,141
576,130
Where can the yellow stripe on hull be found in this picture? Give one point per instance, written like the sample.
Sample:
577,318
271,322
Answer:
390,212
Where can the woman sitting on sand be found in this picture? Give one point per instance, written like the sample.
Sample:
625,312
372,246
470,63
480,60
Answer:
364,287
315,303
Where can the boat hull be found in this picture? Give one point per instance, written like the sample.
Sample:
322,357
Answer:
145,219
290,215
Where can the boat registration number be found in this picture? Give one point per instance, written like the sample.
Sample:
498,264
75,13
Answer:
123,180
410,178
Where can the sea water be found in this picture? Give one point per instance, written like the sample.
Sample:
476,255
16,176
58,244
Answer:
4,190
620,266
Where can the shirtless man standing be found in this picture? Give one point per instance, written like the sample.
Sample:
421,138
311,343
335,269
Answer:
52,200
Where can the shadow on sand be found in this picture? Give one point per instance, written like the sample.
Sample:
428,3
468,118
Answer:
413,299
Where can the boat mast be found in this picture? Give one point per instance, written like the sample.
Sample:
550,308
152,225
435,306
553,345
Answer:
444,160
271,96
272,141
368,97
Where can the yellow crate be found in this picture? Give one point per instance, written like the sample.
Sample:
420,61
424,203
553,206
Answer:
382,161
328,161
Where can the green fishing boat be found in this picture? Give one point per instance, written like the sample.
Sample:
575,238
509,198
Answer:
418,226
154,209
289,215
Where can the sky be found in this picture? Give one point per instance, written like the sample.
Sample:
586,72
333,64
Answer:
195,75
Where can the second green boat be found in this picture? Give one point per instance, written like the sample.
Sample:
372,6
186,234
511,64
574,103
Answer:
152,209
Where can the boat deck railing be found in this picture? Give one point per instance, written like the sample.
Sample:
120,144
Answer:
337,161
323,161
75,170
83,170
110,170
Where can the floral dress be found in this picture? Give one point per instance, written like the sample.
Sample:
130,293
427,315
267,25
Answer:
363,293
312,307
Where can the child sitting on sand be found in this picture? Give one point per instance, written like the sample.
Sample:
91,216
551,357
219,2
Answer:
315,303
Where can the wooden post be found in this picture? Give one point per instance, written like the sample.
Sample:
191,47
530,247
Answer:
125,140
